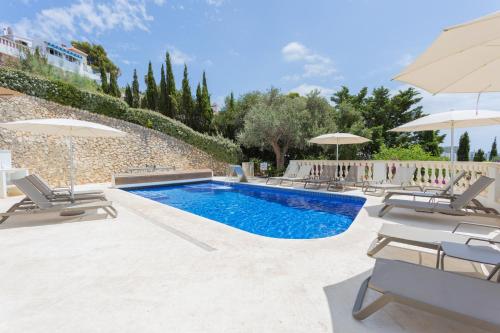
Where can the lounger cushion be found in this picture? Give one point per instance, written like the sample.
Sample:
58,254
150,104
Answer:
455,292
419,205
420,235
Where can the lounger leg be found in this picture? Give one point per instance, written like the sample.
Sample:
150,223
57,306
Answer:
379,245
360,313
385,210
496,269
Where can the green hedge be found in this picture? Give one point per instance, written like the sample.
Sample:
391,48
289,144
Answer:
66,94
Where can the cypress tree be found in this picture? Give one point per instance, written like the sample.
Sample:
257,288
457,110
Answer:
104,80
198,110
493,152
114,90
162,102
171,109
129,99
186,100
479,156
151,89
207,113
136,95
144,102
463,147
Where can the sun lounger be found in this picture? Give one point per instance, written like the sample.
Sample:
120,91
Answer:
38,203
352,178
483,254
457,206
302,175
53,193
326,177
402,179
429,191
469,300
291,171
426,238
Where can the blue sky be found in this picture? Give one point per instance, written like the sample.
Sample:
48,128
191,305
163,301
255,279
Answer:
253,45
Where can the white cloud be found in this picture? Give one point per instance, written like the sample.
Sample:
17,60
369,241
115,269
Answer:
315,65
216,3
159,2
90,17
178,57
304,89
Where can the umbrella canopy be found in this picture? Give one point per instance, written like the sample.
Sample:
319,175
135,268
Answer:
64,127
451,120
464,59
455,119
338,139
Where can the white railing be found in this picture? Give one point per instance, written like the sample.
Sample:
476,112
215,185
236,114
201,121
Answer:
428,173
9,47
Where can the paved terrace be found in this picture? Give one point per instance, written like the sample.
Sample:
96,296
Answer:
159,269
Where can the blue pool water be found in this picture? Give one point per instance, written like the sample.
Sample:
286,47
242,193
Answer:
271,212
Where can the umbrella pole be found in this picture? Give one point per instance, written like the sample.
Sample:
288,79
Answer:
337,166
452,155
71,169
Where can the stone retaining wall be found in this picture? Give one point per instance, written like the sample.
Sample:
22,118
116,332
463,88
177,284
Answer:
96,158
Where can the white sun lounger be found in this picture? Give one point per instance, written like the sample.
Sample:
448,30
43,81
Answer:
291,171
302,175
326,177
38,203
426,238
458,206
428,192
402,179
469,300
54,193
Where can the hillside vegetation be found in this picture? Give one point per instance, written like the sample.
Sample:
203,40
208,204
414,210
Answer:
67,94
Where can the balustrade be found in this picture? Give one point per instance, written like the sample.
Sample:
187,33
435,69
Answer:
427,173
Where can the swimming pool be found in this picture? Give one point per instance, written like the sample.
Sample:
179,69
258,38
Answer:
265,211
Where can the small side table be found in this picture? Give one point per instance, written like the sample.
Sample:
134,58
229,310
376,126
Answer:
475,253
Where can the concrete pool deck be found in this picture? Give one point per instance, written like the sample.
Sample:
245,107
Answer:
159,269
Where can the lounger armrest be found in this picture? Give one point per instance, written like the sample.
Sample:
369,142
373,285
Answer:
476,225
491,241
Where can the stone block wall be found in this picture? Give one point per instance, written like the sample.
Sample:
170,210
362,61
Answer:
96,159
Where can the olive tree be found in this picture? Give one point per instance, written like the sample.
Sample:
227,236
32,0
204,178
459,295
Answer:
276,121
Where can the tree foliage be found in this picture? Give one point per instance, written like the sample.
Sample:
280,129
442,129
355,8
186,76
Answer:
463,151
129,99
97,56
172,109
411,153
186,100
479,156
162,101
114,90
278,122
494,152
136,94
151,93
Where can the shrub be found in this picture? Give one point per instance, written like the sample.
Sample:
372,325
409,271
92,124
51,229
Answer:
67,94
412,153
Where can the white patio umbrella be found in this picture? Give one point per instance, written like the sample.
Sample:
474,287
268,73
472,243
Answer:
464,59
67,128
451,120
338,139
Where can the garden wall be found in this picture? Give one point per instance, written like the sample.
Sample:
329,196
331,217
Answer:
96,158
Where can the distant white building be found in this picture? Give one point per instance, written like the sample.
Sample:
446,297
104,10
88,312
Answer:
67,58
